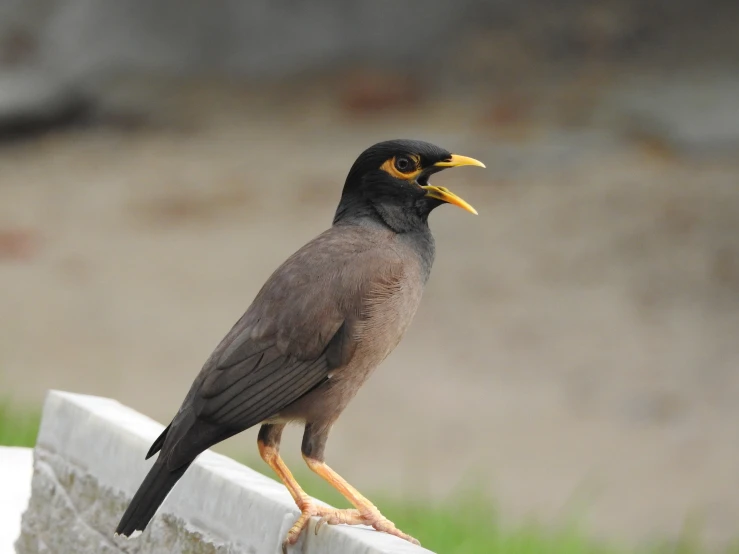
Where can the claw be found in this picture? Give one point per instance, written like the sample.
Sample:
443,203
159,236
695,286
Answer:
333,516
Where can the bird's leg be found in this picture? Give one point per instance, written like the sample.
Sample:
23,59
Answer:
269,450
366,513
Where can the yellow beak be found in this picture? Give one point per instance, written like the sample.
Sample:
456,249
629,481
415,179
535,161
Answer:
443,193
457,160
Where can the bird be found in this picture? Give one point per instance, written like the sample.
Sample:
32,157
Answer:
319,326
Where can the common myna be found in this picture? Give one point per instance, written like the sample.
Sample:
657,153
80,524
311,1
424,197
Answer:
315,331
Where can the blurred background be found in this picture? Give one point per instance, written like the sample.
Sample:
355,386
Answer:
577,350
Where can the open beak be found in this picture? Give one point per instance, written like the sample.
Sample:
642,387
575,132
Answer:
443,193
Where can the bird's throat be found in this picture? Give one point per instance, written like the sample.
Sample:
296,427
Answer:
397,216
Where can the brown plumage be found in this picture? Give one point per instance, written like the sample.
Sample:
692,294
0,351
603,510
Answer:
320,325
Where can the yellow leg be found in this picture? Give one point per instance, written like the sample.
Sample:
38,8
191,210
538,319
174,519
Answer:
308,508
271,455
366,513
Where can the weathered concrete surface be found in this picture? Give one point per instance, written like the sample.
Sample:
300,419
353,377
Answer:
16,469
88,462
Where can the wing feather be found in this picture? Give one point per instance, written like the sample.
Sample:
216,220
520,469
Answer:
300,327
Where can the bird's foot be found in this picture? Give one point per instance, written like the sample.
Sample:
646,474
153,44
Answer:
333,516
307,510
367,516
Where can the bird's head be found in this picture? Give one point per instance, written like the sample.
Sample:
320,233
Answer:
391,179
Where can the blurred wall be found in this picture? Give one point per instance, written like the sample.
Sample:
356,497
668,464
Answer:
56,53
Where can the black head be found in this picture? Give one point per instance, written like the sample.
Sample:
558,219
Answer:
389,181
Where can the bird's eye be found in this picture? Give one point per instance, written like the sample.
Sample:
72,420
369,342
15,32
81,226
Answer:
403,164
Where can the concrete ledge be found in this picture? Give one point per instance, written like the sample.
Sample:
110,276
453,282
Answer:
15,490
89,460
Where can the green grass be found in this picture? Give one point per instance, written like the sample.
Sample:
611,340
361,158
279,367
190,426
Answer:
464,524
18,427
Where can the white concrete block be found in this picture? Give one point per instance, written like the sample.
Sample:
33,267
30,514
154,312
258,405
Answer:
89,461
16,468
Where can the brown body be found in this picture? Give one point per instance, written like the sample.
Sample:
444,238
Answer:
394,285
344,301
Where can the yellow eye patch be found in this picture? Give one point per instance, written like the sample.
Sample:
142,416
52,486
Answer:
395,167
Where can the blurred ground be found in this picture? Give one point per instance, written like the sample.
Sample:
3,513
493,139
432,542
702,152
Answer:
577,345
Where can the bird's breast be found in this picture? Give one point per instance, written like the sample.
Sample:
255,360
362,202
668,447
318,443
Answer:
377,334
385,319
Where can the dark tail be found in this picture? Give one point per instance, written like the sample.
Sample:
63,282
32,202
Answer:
152,492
